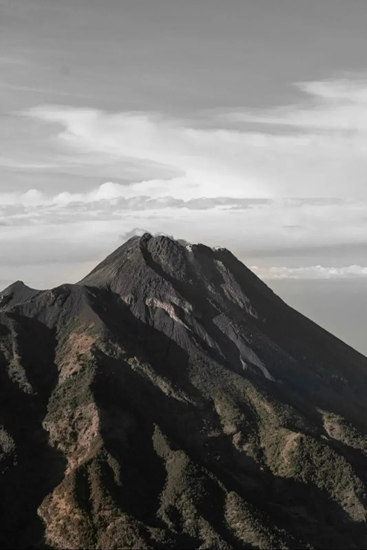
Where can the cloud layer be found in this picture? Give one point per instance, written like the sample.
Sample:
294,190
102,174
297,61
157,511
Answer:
267,184
308,149
332,106
312,272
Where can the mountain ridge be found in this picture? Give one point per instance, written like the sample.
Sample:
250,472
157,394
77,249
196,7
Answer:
176,402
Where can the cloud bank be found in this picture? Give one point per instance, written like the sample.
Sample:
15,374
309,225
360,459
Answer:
308,149
312,272
289,178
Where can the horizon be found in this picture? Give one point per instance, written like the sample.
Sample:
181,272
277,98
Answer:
233,125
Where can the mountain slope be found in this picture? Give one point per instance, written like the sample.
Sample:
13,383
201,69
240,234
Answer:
171,400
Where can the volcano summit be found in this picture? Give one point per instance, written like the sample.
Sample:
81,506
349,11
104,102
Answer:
171,400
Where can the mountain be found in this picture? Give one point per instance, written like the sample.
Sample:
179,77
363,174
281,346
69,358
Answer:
171,400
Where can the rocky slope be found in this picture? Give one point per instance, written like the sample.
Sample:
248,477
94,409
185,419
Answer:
171,400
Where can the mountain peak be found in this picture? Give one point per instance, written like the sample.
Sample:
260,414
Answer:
139,254
166,260
16,293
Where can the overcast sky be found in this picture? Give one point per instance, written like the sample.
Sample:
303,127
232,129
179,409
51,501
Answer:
240,124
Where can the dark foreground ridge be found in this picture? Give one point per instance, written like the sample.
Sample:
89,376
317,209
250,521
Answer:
171,400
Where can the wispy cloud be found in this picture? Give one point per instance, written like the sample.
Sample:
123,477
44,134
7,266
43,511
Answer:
311,272
330,105
255,227
295,189
328,148
110,195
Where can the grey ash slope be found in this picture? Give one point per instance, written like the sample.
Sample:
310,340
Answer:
171,400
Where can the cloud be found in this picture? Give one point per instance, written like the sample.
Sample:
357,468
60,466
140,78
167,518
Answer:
111,196
346,89
330,106
320,144
132,233
203,159
311,272
286,182
255,228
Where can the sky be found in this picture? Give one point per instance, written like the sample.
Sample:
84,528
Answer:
240,124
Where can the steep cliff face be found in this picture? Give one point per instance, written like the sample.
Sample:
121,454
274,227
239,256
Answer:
171,400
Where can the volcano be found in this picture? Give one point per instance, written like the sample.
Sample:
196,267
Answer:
171,400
